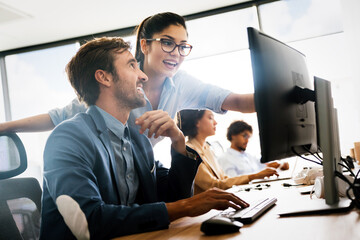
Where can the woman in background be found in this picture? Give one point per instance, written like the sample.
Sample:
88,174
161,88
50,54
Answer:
197,125
161,47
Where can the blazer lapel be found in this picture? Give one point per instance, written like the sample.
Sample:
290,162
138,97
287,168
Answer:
105,139
144,164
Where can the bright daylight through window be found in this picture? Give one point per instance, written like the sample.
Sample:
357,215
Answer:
37,82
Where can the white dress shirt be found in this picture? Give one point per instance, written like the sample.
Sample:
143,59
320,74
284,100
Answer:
235,163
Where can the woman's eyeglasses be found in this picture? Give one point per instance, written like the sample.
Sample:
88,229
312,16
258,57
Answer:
168,45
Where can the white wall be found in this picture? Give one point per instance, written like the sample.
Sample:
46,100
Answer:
351,21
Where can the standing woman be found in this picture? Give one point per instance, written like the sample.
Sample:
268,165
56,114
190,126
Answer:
197,125
161,47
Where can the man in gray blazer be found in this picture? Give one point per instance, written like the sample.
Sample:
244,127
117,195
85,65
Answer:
100,177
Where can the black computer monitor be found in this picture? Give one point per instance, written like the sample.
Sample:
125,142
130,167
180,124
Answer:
289,109
287,127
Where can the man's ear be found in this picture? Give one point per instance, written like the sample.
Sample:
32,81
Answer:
144,46
103,77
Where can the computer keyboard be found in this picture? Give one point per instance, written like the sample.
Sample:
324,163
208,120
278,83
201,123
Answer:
250,214
283,175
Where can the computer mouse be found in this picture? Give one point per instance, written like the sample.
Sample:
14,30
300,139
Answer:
220,225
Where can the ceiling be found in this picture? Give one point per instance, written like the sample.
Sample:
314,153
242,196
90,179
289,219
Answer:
26,23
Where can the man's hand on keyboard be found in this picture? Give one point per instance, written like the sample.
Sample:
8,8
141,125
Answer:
267,172
213,198
280,165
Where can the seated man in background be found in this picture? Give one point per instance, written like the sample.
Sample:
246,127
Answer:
235,161
198,125
100,177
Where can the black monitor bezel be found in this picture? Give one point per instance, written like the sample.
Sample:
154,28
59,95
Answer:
272,144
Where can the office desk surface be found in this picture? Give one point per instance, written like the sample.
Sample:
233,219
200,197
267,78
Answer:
332,226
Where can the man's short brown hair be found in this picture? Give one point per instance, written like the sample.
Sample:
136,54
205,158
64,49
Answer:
93,55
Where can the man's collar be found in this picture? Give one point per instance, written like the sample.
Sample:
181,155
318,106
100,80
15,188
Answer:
230,149
98,119
113,124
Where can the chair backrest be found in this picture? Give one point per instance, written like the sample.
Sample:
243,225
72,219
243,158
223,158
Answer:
13,160
20,198
217,148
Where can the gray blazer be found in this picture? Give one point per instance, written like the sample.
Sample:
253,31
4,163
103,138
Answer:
79,162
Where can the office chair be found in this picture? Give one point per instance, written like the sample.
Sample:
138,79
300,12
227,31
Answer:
18,220
217,148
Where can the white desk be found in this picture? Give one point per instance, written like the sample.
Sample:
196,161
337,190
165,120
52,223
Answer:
270,226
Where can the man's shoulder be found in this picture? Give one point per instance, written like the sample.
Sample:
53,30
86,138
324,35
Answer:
225,155
231,154
77,135
80,127
231,151
78,121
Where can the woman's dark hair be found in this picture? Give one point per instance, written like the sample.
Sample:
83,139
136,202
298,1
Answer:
155,24
187,120
236,128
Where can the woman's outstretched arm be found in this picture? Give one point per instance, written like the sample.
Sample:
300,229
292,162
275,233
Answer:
239,102
38,123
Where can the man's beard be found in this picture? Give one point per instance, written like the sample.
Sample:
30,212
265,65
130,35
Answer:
241,148
138,102
131,101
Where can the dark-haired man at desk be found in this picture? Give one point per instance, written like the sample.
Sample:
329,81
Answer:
100,177
236,161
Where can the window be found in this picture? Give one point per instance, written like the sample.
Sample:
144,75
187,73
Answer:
220,33
132,40
221,57
230,71
37,83
2,106
301,19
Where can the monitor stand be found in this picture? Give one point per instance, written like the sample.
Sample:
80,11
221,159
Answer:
328,137
317,206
